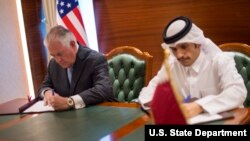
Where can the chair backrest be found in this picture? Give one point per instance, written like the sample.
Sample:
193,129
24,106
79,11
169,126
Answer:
130,70
242,60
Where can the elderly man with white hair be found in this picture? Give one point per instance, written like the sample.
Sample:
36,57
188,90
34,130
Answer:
200,70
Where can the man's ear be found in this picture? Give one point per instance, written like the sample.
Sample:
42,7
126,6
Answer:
72,43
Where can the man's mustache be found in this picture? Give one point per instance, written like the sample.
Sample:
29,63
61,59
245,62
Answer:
182,58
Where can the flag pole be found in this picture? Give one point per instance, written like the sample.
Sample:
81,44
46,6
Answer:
172,83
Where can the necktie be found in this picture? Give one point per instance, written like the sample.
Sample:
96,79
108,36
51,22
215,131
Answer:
69,72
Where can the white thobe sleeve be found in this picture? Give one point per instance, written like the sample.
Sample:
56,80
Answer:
147,93
233,92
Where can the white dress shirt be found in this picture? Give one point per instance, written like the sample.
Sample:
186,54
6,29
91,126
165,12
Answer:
215,82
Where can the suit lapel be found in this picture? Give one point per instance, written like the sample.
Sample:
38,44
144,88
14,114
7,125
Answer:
77,69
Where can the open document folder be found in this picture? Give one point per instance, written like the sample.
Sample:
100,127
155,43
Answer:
35,106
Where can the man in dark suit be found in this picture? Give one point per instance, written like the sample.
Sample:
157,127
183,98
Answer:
77,76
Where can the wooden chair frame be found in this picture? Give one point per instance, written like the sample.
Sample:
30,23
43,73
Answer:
138,54
238,47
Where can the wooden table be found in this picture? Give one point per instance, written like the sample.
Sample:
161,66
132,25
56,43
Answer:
106,121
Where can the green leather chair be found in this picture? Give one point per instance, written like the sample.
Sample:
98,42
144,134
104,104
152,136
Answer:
242,60
130,70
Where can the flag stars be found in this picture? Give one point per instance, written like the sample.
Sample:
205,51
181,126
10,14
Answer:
62,3
61,11
68,5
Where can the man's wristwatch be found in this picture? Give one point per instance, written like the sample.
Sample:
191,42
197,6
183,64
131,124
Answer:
70,102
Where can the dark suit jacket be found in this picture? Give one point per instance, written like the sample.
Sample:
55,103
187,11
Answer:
90,78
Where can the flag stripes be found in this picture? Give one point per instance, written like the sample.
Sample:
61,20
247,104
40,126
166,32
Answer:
70,17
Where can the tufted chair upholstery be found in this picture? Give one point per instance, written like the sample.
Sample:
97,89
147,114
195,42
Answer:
242,60
130,70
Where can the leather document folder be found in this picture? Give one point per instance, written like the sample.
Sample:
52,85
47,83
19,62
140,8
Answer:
27,105
23,106
35,106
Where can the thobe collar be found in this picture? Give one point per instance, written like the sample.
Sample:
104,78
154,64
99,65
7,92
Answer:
196,66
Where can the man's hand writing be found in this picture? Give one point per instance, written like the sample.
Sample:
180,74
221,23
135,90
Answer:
55,100
192,109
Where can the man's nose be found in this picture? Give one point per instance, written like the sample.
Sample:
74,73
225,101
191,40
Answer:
179,54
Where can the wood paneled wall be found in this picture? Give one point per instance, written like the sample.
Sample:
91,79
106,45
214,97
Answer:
140,22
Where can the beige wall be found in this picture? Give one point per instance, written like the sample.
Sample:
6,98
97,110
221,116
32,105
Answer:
13,82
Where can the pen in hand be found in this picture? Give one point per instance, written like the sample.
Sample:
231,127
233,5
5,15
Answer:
47,99
187,99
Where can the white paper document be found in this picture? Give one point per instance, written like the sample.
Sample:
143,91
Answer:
206,117
39,107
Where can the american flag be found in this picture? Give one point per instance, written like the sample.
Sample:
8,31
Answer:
70,17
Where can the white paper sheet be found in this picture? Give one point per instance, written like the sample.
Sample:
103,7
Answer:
206,117
39,107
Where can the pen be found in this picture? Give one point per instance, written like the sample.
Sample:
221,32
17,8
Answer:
187,99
